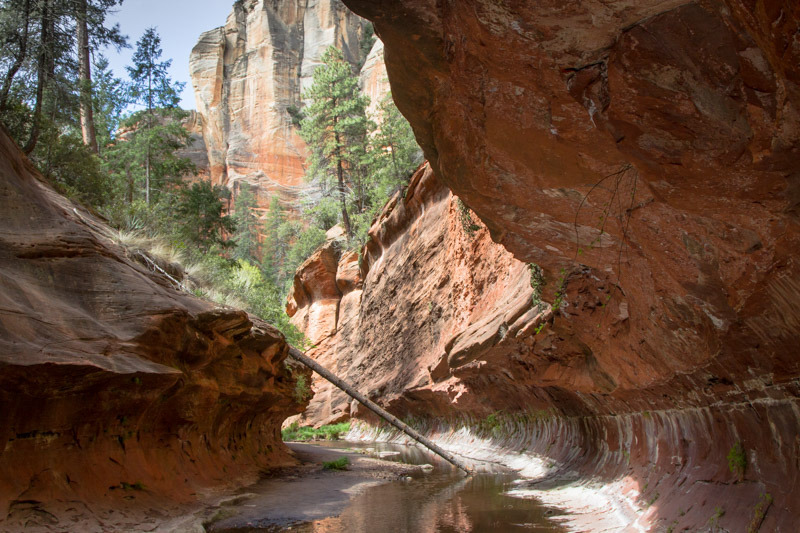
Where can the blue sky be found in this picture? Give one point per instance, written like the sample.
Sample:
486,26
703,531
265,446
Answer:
179,23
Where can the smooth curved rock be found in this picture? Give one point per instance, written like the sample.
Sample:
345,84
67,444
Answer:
121,397
313,302
645,155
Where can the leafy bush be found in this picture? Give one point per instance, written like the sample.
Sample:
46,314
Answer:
339,464
737,460
302,391
759,512
491,425
295,433
467,223
537,282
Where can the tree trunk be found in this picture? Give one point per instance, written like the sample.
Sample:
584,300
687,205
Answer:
129,177
149,125
340,175
85,78
41,76
147,174
343,200
21,55
300,357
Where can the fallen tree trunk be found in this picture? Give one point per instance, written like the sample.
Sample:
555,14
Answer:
375,408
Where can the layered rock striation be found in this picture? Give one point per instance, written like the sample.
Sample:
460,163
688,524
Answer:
645,156
248,79
416,315
121,397
373,80
440,326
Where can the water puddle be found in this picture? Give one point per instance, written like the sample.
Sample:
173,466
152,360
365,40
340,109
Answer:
442,500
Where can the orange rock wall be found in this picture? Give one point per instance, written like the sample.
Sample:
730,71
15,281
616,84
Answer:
646,156
440,326
248,74
417,311
121,398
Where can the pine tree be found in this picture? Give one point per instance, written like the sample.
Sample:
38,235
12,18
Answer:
366,44
396,153
279,232
109,100
148,155
48,54
44,82
16,36
91,33
246,235
392,157
152,87
200,213
336,129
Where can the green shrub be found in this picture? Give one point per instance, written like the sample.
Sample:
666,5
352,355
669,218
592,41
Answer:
302,391
491,425
537,282
713,522
737,460
339,464
759,512
295,433
467,223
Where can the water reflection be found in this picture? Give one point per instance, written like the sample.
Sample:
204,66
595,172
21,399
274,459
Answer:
443,501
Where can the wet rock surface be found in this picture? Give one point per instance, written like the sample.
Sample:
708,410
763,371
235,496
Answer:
123,400
308,492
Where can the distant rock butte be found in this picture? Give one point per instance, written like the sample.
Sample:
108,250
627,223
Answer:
121,398
250,73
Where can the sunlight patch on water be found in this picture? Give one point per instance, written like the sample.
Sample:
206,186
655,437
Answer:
590,507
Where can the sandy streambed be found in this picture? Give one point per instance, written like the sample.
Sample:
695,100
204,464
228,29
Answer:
308,492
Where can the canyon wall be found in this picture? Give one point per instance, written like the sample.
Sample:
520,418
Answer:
122,398
645,156
412,314
373,80
439,324
248,78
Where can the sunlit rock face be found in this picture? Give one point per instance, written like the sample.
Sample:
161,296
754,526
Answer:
196,150
418,310
122,398
249,74
373,80
645,155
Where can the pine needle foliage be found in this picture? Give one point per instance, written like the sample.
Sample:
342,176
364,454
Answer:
335,129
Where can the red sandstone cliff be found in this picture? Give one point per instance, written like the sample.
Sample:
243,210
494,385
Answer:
646,156
413,316
247,77
120,396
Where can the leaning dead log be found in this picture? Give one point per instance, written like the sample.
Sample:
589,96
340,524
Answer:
375,408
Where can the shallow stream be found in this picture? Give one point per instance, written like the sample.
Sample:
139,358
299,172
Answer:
443,500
